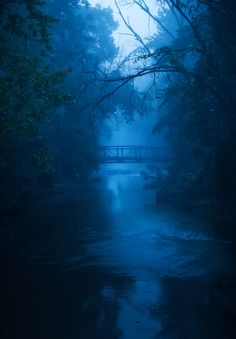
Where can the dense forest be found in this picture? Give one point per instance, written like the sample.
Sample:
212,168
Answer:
61,79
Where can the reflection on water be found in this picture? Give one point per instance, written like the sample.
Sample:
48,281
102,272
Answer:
106,262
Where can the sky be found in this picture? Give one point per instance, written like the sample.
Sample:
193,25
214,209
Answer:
143,25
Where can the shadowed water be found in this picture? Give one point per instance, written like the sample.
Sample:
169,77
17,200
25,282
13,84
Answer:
105,262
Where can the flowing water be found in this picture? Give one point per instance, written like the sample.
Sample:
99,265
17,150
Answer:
105,261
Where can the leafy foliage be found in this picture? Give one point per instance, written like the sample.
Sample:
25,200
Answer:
50,51
198,108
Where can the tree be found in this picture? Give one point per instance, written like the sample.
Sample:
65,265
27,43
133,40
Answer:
28,90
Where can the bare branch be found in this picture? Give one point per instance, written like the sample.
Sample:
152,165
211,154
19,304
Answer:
127,24
143,5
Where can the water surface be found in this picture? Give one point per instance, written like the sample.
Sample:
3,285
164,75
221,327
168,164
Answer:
104,261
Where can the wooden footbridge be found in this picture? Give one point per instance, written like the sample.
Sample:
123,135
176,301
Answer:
131,154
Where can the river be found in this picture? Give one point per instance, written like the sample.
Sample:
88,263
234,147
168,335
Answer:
105,261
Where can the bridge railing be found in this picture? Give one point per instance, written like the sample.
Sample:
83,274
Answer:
131,153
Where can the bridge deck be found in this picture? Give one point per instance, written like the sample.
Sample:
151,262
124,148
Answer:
131,154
